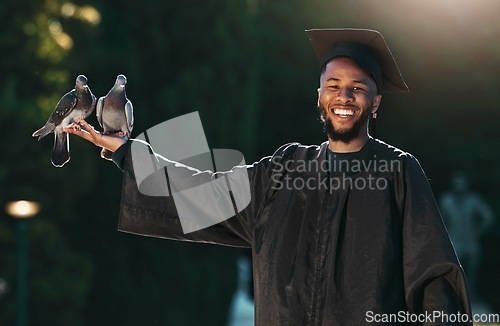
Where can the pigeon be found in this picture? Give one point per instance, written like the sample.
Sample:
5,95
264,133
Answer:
115,113
74,106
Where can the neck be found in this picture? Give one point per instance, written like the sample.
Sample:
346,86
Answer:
354,145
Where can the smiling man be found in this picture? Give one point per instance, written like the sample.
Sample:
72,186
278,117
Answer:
346,99
343,233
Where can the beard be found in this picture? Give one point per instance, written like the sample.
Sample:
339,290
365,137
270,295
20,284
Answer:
341,134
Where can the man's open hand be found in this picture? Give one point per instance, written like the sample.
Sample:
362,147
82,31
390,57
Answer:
87,132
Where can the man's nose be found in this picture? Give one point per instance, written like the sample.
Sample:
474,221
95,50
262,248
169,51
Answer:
345,95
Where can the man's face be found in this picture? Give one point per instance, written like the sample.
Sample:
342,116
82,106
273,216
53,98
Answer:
346,98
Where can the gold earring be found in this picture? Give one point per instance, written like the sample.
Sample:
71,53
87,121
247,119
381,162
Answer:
374,115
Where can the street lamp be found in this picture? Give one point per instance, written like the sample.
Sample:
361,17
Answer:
22,210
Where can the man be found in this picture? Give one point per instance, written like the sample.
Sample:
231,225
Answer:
344,233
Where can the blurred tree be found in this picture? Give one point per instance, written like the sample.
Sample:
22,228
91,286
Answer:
33,45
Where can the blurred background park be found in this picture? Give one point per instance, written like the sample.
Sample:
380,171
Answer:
248,68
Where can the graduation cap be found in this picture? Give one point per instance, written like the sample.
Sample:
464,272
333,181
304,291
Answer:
365,46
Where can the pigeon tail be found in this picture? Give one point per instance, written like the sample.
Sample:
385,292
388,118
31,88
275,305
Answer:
106,154
44,131
60,153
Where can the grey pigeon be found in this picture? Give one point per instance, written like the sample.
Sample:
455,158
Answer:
74,106
115,113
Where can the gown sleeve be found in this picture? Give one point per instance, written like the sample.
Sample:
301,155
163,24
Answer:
157,216
434,280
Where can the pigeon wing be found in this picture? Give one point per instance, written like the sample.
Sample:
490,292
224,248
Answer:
65,105
98,110
129,114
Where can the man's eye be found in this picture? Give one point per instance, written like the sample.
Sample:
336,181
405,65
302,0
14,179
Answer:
358,89
333,87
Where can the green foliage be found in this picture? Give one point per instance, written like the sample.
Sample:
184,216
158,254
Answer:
32,81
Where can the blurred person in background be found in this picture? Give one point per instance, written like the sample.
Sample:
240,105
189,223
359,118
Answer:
467,217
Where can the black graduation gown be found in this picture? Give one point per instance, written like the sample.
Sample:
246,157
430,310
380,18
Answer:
338,255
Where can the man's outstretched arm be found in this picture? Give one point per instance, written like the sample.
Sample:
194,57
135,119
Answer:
87,132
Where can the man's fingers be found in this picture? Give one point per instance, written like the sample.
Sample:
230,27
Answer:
85,126
88,128
83,123
73,128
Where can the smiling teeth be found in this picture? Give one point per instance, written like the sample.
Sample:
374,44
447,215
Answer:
343,112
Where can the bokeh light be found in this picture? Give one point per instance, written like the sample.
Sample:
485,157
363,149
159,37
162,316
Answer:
22,208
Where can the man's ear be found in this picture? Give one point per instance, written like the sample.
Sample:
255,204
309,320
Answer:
319,92
376,103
